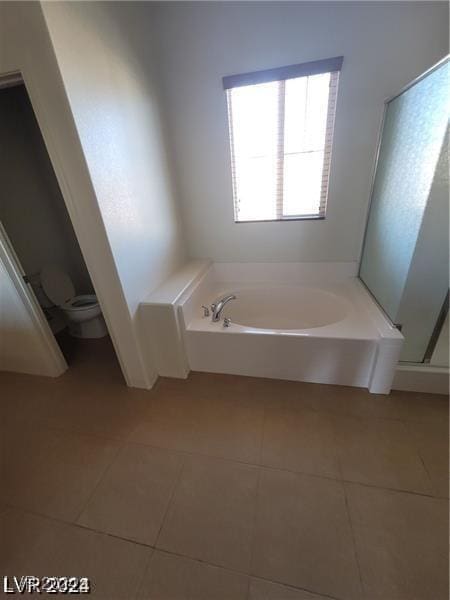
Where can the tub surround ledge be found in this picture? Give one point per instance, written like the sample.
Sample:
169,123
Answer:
159,314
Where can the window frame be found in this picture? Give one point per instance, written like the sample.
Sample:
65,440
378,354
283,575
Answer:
332,66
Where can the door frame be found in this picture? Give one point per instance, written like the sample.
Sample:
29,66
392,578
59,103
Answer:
110,293
55,358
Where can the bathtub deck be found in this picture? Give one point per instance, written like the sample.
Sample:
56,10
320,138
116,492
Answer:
223,487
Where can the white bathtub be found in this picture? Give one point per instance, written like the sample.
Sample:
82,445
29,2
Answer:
284,308
302,331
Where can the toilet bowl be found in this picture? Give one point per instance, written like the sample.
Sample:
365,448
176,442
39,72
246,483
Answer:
83,313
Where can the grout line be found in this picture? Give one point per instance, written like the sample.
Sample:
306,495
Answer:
426,470
170,500
143,574
158,387
122,443
247,592
171,553
415,444
42,422
254,521
258,481
263,432
119,451
347,505
390,489
346,501
123,440
286,470
294,588
419,454
246,574
353,535
115,536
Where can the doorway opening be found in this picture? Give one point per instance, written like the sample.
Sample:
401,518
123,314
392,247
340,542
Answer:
38,231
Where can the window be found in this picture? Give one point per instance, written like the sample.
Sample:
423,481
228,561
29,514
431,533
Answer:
281,128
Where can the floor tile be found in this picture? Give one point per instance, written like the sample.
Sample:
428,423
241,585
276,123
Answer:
211,515
132,498
402,543
15,547
60,483
275,393
25,395
25,443
303,536
345,400
359,402
196,422
170,577
301,440
380,452
245,391
432,441
266,590
424,408
174,421
103,410
23,447
36,545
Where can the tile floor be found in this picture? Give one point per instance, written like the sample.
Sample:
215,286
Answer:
222,487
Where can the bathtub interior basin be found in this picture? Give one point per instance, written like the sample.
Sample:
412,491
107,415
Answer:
286,307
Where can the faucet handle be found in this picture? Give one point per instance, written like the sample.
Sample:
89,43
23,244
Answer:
205,311
226,321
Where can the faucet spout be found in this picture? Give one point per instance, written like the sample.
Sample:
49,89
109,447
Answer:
218,306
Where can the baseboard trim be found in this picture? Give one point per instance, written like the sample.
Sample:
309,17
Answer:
421,378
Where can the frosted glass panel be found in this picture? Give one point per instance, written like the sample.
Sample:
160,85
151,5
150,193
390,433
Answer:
413,134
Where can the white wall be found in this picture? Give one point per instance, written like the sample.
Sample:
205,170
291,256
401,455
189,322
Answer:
116,110
384,44
25,46
32,208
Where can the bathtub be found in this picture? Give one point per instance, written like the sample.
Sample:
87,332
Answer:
284,308
314,331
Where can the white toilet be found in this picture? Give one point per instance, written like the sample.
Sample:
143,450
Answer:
83,313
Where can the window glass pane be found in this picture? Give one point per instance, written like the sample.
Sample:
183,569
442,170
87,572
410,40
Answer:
306,108
254,113
316,112
295,114
302,183
256,188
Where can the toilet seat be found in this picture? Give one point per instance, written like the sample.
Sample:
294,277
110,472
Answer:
57,285
81,303
59,288
82,312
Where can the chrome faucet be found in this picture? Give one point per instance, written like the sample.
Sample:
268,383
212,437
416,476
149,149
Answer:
218,306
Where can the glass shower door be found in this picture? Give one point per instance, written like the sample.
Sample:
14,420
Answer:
405,257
